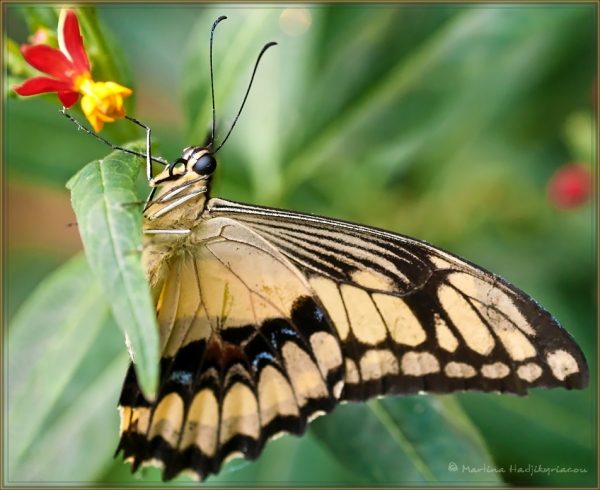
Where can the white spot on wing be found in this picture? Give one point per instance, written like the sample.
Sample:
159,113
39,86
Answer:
371,279
515,342
275,395
376,364
562,364
419,364
352,375
239,413
201,423
529,372
167,419
304,374
459,370
440,263
497,370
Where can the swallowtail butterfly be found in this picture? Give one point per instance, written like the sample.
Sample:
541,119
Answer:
269,318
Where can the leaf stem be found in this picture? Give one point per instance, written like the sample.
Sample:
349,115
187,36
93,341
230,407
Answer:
386,420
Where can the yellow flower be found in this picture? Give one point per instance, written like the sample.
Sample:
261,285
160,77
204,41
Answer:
102,102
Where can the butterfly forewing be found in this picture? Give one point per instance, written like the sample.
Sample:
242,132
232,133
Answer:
269,318
414,318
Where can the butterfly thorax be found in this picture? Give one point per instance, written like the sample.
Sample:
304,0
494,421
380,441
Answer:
176,210
178,205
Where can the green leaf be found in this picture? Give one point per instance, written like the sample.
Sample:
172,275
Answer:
580,128
15,62
90,422
558,437
407,440
48,339
353,129
102,194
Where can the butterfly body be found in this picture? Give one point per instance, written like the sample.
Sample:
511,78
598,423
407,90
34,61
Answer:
269,318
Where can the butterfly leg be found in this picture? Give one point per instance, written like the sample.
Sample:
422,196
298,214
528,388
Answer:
108,143
148,148
167,232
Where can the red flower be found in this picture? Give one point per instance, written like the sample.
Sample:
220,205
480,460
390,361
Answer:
69,67
69,75
570,187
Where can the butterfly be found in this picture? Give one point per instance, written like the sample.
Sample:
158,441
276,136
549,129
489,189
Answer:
269,318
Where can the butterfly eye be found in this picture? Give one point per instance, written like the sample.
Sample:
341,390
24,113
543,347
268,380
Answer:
205,165
174,164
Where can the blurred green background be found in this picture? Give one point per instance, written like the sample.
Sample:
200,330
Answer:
443,122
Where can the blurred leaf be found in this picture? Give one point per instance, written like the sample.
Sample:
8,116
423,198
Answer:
48,338
37,17
468,42
110,226
580,131
23,271
89,422
549,437
233,59
60,150
15,62
406,440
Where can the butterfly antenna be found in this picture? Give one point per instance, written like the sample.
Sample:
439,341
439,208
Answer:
212,85
265,47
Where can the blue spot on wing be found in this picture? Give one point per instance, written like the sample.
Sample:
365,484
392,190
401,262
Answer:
259,356
181,377
319,315
284,331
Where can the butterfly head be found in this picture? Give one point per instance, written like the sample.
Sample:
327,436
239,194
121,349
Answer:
196,162
199,161
181,189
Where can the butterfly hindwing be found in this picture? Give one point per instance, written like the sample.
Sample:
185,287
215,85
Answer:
247,353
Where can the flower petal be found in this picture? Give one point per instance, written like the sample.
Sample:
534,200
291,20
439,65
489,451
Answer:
68,98
104,117
96,123
41,85
88,105
50,61
118,89
73,42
